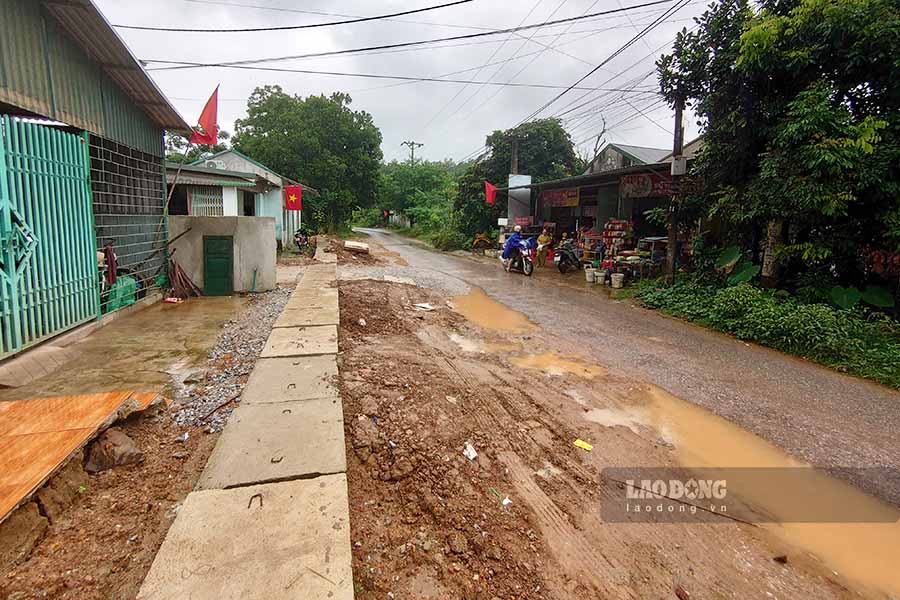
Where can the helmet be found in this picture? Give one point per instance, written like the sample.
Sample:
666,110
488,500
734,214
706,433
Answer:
517,228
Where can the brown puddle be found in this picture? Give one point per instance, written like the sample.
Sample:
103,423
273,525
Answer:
486,312
556,364
867,553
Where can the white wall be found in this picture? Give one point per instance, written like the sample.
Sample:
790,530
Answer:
230,201
254,248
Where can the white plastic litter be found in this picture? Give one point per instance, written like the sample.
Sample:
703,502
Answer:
469,452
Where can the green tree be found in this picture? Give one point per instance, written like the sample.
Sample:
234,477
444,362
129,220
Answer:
318,141
799,105
176,146
545,152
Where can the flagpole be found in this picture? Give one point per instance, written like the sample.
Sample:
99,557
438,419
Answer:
171,191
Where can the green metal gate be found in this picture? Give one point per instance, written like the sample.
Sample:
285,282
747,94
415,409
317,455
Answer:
48,263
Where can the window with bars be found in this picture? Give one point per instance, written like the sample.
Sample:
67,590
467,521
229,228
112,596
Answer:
206,201
129,194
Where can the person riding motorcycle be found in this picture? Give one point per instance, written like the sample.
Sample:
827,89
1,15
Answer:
510,245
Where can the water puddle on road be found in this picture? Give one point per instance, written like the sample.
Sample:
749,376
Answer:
557,364
486,312
867,553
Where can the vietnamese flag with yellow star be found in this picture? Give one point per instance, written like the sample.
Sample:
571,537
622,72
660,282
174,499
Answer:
293,197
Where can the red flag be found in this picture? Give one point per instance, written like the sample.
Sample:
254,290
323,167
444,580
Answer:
490,192
207,129
293,197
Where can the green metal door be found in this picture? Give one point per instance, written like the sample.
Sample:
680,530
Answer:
218,265
48,263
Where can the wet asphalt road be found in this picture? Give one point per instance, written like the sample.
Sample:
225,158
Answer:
813,413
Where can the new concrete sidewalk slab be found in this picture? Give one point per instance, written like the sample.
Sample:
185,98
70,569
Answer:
314,298
305,317
276,380
276,541
265,443
301,341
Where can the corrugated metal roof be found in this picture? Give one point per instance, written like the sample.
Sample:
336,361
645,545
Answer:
643,154
197,175
92,32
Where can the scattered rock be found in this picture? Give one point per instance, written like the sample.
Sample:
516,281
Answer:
369,406
180,455
682,593
362,322
781,558
112,449
469,452
458,543
183,437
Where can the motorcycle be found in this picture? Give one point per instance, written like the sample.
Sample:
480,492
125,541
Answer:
521,258
566,258
301,239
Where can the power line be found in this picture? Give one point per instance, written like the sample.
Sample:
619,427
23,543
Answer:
490,58
500,68
678,4
531,62
291,27
181,64
409,78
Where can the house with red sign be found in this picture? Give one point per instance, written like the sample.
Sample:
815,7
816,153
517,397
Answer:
621,192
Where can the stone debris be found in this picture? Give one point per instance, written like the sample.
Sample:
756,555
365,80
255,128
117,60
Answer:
230,362
112,449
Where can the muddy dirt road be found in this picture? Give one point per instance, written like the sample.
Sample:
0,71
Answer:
524,519
813,413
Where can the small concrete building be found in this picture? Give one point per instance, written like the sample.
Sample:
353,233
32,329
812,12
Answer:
269,203
211,192
225,254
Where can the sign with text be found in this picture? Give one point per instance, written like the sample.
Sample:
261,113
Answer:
647,185
559,198
524,221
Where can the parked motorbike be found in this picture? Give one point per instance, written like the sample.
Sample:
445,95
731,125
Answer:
521,258
566,258
301,239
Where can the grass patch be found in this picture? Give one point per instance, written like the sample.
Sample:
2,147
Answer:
858,342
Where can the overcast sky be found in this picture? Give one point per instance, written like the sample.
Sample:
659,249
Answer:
451,119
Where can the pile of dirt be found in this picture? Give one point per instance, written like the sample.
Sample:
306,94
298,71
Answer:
102,545
335,244
426,521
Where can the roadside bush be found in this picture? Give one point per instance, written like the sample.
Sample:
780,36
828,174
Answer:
853,341
449,239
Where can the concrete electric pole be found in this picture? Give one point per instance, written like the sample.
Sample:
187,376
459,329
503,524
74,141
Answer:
677,172
412,150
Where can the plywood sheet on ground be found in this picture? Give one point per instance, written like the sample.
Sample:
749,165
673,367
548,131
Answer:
265,443
301,341
289,379
275,541
38,435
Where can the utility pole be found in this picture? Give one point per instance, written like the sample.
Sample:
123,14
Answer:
514,160
677,151
412,150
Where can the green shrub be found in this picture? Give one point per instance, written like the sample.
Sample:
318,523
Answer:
449,239
853,341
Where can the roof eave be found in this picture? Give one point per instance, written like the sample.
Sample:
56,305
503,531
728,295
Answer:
89,28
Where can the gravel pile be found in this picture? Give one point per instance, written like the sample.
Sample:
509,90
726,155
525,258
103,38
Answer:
210,402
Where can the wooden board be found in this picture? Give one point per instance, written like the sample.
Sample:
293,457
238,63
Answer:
37,436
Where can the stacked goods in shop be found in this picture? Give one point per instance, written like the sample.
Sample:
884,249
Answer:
617,235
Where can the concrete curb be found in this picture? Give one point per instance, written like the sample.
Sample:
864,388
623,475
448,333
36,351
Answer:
269,518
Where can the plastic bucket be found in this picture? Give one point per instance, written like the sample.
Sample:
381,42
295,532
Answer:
600,277
589,275
618,280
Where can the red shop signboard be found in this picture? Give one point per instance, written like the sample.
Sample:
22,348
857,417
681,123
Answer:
647,185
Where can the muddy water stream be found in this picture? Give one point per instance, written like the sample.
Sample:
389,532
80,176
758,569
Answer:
867,553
